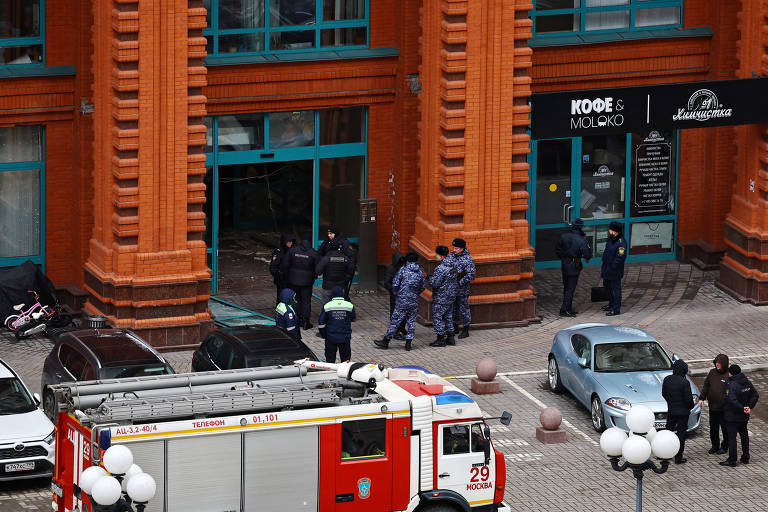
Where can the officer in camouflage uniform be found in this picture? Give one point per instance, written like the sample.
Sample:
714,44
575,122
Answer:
407,285
465,268
444,284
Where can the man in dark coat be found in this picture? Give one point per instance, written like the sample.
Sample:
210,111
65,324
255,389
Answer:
298,266
612,271
407,286
465,273
286,316
713,391
571,247
335,325
676,390
286,241
345,247
444,283
336,268
398,261
740,398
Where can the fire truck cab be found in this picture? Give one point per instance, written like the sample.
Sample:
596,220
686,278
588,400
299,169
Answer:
345,437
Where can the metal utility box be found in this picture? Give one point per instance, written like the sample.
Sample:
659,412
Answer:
366,260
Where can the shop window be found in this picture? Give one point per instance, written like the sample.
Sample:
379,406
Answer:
21,181
291,129
21,32
341,187
277,26
363,439
566,17
242,132
603,174
653,173
651,237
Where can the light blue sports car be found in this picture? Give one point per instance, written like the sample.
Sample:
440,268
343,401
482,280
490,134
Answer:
610,368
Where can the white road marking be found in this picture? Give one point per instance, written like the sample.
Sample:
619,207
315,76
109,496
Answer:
542,405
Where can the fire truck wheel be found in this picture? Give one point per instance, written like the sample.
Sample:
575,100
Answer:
438,507
49,406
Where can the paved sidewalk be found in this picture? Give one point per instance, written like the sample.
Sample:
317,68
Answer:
678,304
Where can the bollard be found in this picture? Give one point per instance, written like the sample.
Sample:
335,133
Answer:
484,383
550,432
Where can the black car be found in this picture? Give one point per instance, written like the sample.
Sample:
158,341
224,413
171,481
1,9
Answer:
97,354
248,347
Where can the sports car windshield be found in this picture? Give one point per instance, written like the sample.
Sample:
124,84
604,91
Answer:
631,357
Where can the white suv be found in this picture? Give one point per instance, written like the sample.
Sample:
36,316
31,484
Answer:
27,436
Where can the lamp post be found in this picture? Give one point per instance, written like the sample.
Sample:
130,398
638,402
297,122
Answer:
118,484
637,447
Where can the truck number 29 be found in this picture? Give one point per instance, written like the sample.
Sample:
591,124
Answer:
479,474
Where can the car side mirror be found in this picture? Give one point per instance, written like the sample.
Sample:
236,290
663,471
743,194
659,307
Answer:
582,361
675,357
36,396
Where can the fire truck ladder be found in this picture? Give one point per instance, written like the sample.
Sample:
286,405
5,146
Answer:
134,410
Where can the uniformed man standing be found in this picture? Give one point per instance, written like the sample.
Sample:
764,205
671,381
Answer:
335,325
444,283
298,266
571,247
345,247
465,272
613,268
286,316
407,285
336,268
286,241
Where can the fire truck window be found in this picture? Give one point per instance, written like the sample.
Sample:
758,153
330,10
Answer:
455,439
478,441
363,439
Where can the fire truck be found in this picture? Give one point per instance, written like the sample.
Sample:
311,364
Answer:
312,437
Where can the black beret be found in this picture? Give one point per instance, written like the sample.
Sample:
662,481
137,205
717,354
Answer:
459,242
412,257
616,226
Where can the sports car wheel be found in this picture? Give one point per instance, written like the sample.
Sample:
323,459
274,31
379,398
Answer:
553,374
598,420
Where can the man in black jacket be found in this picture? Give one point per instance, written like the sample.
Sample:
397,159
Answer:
336,268
612,270
571,247
713,390
345,247
676,390
740,398
298,266
286,241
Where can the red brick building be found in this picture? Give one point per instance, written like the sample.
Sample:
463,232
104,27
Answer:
137,136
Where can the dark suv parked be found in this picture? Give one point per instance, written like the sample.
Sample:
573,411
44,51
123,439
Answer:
248,347
97,354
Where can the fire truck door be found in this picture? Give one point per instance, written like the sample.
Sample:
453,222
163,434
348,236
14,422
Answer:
364,465
150,457
461,462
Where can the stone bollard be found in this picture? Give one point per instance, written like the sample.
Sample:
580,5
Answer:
484,384
550,432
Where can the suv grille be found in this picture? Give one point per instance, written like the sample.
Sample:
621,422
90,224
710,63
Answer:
28,451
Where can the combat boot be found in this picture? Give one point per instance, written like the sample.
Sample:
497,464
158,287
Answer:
449,339
439,342
408,345
464,333
455,328
383,343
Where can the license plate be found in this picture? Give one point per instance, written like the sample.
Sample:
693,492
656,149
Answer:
19,466
660,425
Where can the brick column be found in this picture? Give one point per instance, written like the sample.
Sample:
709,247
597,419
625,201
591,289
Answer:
147,266
473,147
744,269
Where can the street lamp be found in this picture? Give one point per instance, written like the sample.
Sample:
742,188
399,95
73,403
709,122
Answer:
122,482
637,447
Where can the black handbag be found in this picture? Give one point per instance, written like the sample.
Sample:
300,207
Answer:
599,294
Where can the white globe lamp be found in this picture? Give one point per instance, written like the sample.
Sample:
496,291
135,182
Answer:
118,459
106,490
640,419
612,440
141,488
89,476
665,444
133,470
650,434
636,450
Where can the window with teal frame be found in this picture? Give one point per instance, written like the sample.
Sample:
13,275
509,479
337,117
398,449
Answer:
570,17
22,33
22,195
259,27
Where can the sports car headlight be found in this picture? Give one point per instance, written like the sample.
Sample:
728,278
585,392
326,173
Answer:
619,403
51,437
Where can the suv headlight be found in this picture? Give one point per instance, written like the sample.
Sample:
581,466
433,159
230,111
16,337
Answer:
51,437
619,403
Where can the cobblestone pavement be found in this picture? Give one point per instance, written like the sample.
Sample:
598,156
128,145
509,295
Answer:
678,304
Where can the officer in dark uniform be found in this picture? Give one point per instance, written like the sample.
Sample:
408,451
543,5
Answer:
344,246
298,266
740,398
286,241
444,285
407,285
335,325
336,269
571,247
612,271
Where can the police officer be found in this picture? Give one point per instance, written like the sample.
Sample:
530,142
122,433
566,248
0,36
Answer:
407,285
740,398
571,247
336,269
335,325
286,241
613,268
298,266
285,314
398,261
344,246
444,283
465,273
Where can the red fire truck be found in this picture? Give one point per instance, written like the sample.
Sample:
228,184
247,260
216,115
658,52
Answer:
314,437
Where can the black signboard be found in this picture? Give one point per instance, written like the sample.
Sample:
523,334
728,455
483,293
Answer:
652,174
640,109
